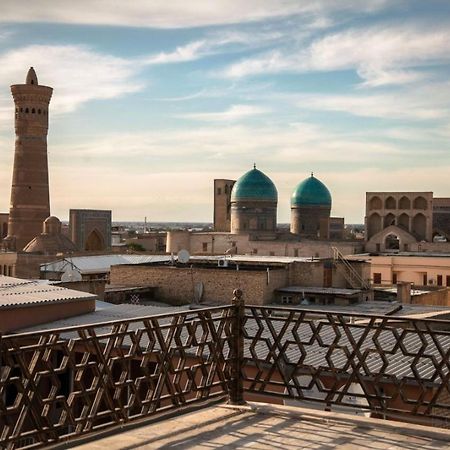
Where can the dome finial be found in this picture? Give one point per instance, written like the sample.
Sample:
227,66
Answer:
254,165
312,174
31,77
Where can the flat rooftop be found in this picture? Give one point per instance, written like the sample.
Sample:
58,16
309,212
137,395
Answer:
424,254
263,426
318,290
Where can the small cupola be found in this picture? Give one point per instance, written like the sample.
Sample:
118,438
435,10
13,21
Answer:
31,77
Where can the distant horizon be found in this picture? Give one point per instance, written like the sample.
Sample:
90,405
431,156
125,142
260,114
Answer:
153,101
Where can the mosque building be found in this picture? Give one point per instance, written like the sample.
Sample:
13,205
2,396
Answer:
245,221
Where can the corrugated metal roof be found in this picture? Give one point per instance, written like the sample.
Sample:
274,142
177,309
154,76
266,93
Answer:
398,360
16,292
318,290
377,308
99,263
317,349
107,314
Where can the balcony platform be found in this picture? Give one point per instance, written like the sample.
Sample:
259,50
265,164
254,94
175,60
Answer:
264,426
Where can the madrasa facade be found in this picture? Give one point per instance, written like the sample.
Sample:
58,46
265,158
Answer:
245,221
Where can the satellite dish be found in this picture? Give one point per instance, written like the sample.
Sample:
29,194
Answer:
183,256
71,275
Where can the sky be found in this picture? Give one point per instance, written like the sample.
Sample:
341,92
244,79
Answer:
153,100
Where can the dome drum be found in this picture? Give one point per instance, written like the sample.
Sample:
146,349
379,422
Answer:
312,222
254,201
248,217
310,209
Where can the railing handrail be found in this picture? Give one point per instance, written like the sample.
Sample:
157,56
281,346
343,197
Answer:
338,256
389,318
300,309
116,322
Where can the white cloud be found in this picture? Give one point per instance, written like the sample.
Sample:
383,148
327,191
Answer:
380,56
428,102
77,74
173,13
233,113
213,43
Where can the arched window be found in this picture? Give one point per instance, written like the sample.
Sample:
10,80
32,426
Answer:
420,203
39,110
390,203
419,226
403,221
374,224
33,111
404,203
375,203
26,110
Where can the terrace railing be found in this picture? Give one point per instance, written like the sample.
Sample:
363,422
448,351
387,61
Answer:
383,366
63,383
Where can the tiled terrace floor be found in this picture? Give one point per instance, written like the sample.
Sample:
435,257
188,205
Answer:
270,427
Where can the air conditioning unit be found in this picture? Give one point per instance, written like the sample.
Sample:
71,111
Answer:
222,262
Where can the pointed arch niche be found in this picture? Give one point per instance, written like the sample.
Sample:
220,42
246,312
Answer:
94,241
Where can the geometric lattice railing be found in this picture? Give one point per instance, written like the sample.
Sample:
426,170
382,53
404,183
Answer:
389,367
67,382
63,383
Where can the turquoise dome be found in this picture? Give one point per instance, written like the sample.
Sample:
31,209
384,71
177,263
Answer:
254,185
311,192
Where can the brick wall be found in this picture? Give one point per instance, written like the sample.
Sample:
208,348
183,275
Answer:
176,285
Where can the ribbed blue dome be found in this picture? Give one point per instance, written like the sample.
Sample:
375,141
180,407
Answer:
311,192
254,185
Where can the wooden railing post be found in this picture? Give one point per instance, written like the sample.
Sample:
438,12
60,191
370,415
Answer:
236,387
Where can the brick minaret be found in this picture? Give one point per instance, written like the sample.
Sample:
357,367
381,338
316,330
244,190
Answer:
30,203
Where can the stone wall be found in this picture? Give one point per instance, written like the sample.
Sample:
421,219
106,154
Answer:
242,244
176,285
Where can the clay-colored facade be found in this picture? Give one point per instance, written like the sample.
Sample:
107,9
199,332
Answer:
222,204
258,281
311,221
254,217
90,229
204,243
418,270
30,203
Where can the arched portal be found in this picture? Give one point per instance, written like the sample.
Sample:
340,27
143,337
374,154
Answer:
419,226
374,224
392,242
94,242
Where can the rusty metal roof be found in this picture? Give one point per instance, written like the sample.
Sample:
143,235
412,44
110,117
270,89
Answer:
16,292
